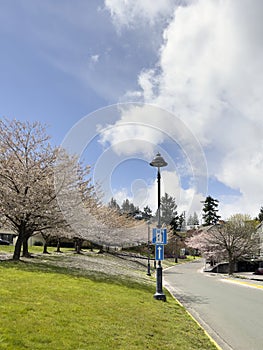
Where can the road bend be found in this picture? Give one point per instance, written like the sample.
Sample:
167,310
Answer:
231,311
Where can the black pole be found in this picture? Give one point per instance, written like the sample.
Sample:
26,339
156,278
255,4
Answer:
159,197
148,264
159,295
176,249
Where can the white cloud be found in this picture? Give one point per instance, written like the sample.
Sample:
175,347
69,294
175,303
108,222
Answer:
130,13
141,125
188,200
142,130
143,194
210,75
94,58
121,195
148,126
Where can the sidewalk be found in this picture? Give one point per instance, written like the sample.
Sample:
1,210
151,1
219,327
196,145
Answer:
249,276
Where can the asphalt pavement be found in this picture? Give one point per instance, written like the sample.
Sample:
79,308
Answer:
229,309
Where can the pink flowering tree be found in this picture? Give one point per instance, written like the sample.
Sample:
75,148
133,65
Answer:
231,241
203,242
28,202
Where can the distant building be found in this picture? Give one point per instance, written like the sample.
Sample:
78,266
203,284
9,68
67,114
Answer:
11,237
7,235
260,233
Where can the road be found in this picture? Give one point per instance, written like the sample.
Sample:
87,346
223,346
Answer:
231,312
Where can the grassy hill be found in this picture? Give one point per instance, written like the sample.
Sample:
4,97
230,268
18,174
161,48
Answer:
90,301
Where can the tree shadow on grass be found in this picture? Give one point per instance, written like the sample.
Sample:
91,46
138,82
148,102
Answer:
96,276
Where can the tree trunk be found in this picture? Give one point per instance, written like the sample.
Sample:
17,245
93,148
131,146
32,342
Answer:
176,252
101,251
58,246
78,245
231,266
45,248
26,253
18,247
46,240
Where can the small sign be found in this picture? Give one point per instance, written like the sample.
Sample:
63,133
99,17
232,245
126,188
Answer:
159,252
159,236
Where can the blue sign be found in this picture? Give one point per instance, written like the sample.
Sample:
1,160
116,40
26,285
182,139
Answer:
159,236
159,252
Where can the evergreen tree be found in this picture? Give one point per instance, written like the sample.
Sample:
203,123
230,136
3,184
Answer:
125,206
113,204
195,219
181,222
147,212
129,208
175,224
210,210
168,209
260,215
190,220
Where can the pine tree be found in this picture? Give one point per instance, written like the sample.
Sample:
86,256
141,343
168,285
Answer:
195,219
147,212
125,206
168,209
210,210
190,221
181,222
113,204
175,224
260,215
129,208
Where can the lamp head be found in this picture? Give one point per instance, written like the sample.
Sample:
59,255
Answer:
158,161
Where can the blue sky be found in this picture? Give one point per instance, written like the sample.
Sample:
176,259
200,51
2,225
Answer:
188,75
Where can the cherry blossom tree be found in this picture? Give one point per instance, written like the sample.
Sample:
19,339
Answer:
201,241
43,189
232,240
237,237
28,199
26,162
87,216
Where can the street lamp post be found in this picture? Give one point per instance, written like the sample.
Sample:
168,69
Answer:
148,252
159,162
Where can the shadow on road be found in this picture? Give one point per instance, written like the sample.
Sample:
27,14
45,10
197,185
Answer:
188,300
172,272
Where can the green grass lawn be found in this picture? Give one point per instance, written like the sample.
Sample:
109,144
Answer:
56,309
170,261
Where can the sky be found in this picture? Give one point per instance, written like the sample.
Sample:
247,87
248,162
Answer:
117,81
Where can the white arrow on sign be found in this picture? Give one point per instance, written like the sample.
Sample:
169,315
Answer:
159,252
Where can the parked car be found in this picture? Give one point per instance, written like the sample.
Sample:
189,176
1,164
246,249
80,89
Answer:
4,242
259,271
